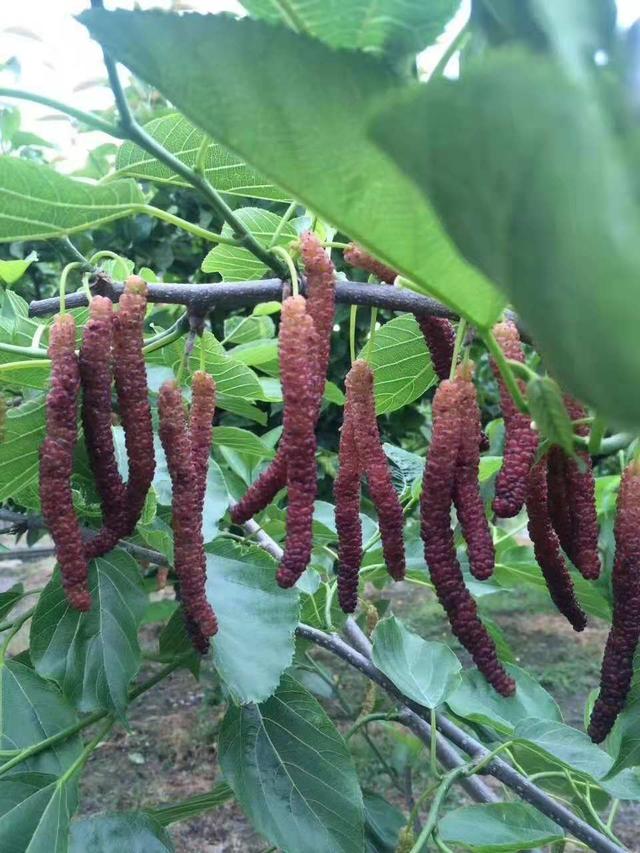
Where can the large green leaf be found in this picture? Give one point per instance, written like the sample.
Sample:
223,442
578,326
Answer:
475,700
401,362
529,209
31,710
235,263
242,440
92,656
224,171
133,832
372,25
257,619
19,460
33,373
37,203
233,379
292,773
9,598
425,671
35,810
383,823
565,745
298,113
498,828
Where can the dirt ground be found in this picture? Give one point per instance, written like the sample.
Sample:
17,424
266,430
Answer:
168,752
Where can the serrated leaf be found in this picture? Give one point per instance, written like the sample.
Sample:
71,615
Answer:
498,828
235,263
312,139
224,170
244,330
548,411
425,671
401,364
19,460
37,203
12,271
35,810
292,773
257,619
31,710
92,656
133,832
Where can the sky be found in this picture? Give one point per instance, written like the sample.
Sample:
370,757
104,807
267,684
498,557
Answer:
59,59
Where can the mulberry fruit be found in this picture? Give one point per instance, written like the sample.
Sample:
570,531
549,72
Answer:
356,256
56,462
546,546
440,554
521,441
186,520
466,495
298,352
440,337
96,376
346,491
203,406
617,664
359,384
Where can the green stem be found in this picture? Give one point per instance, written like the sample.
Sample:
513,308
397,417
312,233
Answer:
77,255
31,352
523,371
615,805
25,365
505,371
63,282
372,331
13,630
184,225
103,253
353,317
369,718
598,429
443,789
460,333
440,844
286,216
478,766
201,156
433,745
85,755
168,336
90,119
328,602
585,800
291,267
332,245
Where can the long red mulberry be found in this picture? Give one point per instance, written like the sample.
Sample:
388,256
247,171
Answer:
96,375
521,441
558,499
546,546
298,345
356,256
346,491
466,495
56,462
617,664
440,337
437,535
203,406
320,277
359,384
186,520
581,493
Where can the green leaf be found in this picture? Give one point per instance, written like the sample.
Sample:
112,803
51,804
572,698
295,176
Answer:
401,364
12,271
475,700
9,598
192,806
174,642
226,172
92,656
233,379
133,832
19,460
256,353
371,25
244,330
564,745
548,411
292,773
243,440
35,810
498,827
31,710
530,211
257,619
37,203
427,672
33,373
235,263
310,139
382,824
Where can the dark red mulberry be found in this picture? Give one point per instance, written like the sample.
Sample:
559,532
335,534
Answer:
375,465
203,407
346,491
466,495
298,354
97,377
617,664
521,441
56,462
440,337
131,385
546,546
186,520
320,278
581,494
558,500
437,535
356,256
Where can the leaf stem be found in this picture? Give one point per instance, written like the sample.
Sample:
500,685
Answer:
24,365
598,429
286,216
369,718
30,352
103,253
353,317
372,330
90,119
460,333
291,267
443,789
184,225
505,371
63,283
85,755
